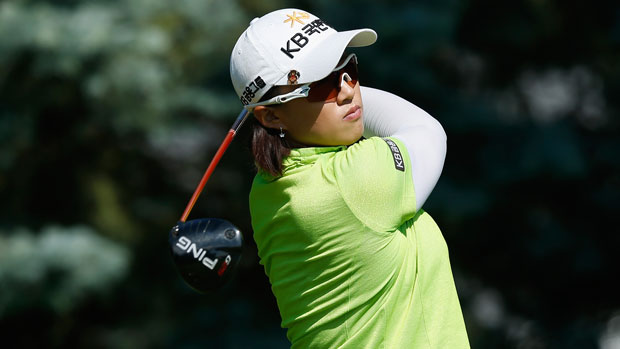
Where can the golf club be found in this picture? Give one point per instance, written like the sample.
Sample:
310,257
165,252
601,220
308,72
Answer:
206,251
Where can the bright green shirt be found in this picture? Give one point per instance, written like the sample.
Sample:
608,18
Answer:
351,262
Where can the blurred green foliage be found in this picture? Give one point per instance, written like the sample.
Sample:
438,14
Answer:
111,109
57,268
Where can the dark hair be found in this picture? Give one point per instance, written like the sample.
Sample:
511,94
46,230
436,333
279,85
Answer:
268,148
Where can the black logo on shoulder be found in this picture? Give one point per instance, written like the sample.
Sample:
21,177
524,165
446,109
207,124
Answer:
398,158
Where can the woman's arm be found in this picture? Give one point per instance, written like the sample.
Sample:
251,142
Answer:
387,115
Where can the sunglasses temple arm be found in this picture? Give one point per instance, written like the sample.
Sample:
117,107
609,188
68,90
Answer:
216,158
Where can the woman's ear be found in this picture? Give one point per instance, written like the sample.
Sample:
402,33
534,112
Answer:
267,117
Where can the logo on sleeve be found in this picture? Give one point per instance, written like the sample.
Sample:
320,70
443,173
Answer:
396,154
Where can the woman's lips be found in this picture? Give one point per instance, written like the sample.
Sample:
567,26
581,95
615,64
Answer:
353,114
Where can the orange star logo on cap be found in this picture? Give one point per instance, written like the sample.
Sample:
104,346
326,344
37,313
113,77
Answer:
296,18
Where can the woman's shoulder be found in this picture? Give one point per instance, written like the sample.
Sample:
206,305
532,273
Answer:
378,151
371,159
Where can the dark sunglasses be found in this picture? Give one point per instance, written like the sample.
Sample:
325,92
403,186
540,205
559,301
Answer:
324,90
327,89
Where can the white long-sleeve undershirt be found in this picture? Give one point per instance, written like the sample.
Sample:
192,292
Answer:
387,115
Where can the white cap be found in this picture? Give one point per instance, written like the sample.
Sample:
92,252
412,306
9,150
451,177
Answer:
288,46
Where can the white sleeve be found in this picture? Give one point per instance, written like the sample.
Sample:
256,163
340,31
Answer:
387,115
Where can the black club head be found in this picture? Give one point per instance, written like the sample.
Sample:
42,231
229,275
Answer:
206,252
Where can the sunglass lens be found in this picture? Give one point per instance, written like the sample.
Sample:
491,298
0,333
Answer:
324,89
327,89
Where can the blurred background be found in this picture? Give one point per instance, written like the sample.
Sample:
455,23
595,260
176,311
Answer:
110,111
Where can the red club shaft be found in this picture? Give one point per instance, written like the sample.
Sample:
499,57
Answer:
218,155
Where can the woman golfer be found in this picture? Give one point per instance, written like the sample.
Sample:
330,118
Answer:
353,260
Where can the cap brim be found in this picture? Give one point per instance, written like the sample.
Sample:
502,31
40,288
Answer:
330,51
